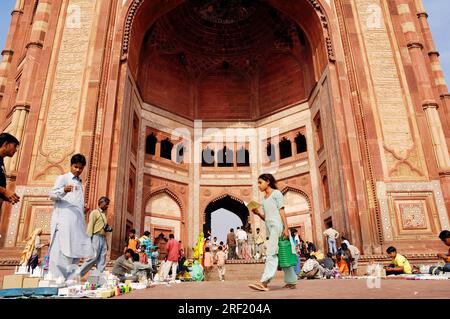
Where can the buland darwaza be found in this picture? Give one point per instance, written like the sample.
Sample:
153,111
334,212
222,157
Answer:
344,99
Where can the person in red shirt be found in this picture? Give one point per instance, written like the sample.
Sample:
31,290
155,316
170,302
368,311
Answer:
173,253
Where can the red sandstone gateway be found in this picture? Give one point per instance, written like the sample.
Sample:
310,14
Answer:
346,100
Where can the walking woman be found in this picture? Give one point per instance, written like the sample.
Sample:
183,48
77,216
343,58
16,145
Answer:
276,226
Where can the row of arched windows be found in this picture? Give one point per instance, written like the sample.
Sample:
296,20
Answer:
165,150
225,156
285,147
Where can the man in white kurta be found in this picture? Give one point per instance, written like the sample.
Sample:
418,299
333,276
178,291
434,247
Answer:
69,241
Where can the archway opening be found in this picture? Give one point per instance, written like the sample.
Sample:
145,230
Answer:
222,220
224,213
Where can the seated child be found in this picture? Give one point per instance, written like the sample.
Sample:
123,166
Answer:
399,264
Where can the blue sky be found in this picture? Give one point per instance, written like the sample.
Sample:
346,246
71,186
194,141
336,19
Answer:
438,10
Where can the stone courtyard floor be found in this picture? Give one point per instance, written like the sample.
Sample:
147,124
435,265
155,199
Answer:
306,289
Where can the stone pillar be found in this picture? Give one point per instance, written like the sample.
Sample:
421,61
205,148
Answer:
7,54
25,91
19,5
426,93
436,67
437,133
5,65
432,52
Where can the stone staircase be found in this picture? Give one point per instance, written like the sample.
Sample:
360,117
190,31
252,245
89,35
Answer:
241,272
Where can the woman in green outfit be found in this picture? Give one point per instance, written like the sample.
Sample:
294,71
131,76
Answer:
276,226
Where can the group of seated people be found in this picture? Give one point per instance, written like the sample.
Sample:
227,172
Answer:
343,263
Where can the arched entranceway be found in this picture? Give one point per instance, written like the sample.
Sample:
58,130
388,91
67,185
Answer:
221,208
170,60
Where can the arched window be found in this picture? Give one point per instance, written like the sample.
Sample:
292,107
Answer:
150,144
270,151
180,153
243,157
285,148
166,149
225,157
207,157
300,141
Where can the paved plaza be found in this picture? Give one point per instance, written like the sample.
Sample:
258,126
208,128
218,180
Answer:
306,289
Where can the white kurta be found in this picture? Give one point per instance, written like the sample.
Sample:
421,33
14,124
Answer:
68,221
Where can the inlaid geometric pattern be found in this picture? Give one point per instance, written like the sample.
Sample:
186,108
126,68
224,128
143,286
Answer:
413,215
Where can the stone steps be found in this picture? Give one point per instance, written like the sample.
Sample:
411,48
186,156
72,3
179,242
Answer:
250,272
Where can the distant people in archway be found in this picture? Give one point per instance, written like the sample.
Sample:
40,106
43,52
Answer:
215,246
250,243
206,245
208,263
241,237
224,248
231,243
275,219
331,235
259,242
220,259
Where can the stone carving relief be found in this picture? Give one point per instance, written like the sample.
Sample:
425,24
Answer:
58,137
413,216
391,109
41,219
408,201
20,208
